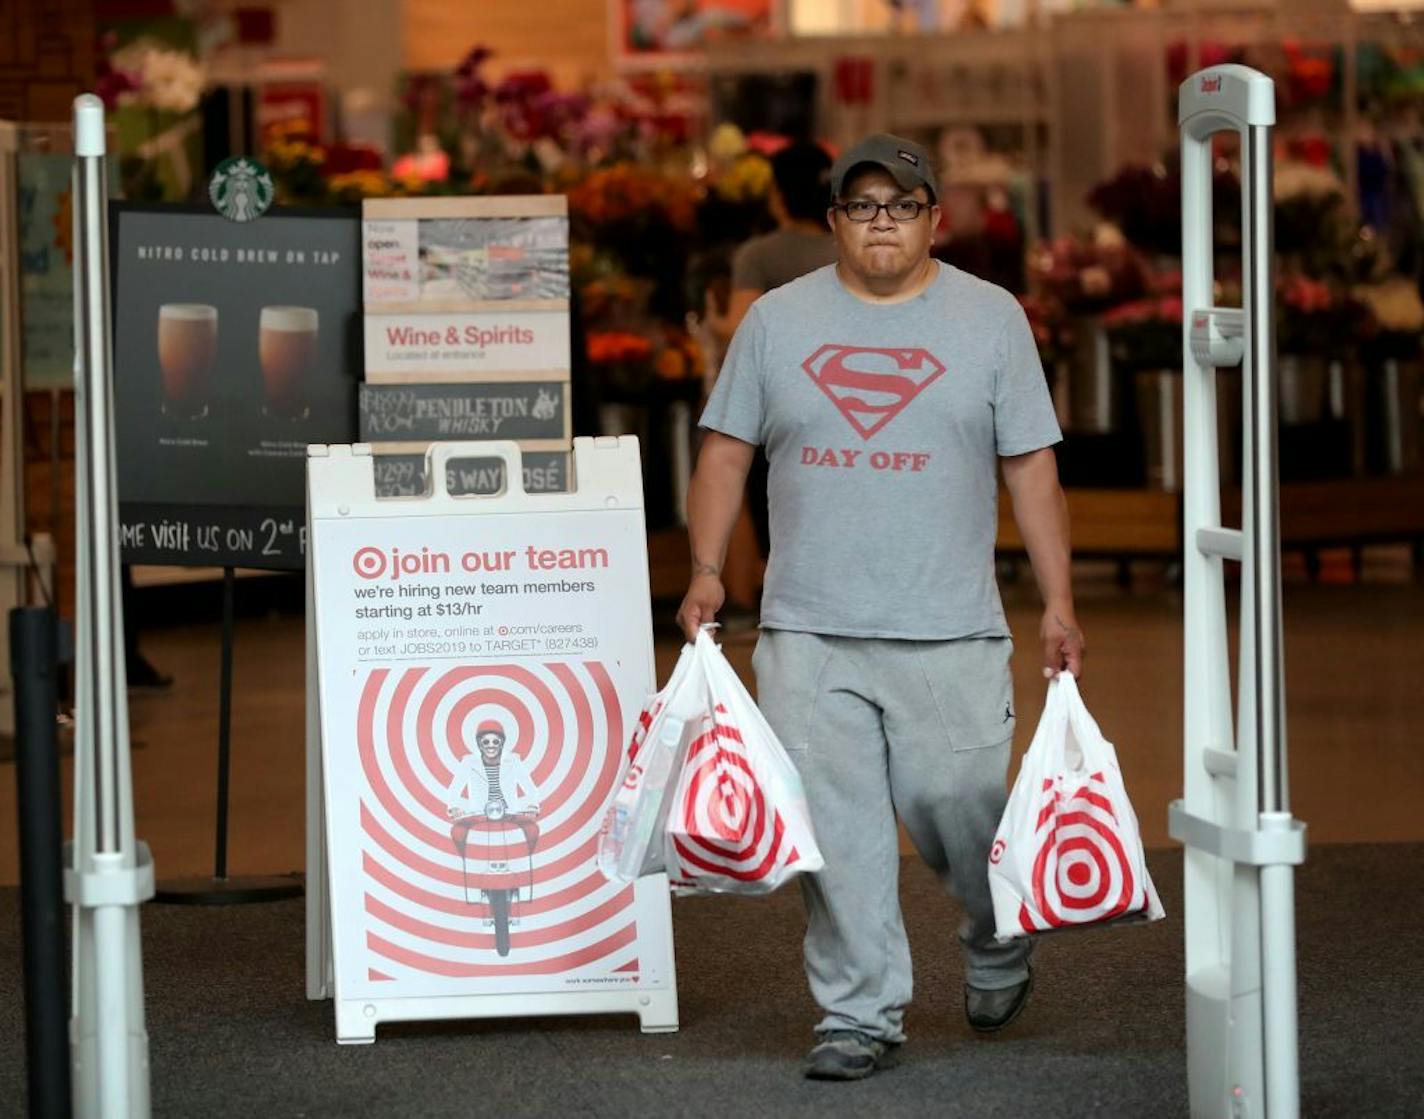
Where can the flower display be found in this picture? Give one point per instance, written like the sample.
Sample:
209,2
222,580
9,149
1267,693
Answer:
1146,333
627,193
680,357
726,143
349,187
1046,318
297,170
152,84
471,89
1312,218
749,179
1316,316
159,77
429,163
1145,203
1310,71
605,347
1086,276
614,296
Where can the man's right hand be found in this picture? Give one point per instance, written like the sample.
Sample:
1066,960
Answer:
705,595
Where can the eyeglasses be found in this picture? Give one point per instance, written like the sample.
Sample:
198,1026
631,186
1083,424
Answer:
864,210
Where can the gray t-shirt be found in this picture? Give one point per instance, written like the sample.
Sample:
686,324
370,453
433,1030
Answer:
777,258
883,424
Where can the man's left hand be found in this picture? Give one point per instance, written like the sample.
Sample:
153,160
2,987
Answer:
1063,643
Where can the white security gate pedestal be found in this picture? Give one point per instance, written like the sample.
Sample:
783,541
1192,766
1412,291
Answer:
444,881
108,873
1241,840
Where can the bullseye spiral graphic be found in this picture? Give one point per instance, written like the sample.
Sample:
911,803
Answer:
428,877
369,563
1081,870
720,822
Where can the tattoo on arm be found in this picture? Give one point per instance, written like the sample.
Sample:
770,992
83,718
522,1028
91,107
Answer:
1069,631
700,568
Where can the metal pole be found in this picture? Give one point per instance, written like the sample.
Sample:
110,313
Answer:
222,889
1277,882
224,725
1265,487
111,873
34,661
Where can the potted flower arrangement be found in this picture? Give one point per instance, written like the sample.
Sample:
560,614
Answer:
1048,321
1313,227
1145,202
621,362
1316,321
1145,339
1146,334
644,219
1086,276
152,84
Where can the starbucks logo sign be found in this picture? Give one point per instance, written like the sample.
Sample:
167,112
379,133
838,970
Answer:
241,188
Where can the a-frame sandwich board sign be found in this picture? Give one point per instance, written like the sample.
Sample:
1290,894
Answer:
475,667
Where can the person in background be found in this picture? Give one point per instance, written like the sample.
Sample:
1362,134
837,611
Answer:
889,391
801,243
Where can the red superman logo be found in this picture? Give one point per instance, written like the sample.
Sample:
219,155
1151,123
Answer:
870,386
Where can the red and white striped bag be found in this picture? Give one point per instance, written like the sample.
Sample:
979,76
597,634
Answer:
630,843
1068,853
738,821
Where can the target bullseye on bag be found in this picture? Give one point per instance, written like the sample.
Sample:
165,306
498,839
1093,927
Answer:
708,793
1068,853
481,662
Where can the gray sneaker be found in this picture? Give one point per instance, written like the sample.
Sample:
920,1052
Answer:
848,1055
988,1011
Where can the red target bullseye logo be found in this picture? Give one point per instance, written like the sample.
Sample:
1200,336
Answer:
369,563
721,822
1081,870
428,879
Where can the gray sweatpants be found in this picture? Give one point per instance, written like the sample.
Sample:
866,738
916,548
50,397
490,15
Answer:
877,728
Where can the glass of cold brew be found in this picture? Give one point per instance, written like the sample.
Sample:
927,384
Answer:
187,353
287,345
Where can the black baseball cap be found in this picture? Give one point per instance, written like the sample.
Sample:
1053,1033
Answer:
909,163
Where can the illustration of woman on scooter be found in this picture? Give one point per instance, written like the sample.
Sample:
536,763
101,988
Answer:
492,791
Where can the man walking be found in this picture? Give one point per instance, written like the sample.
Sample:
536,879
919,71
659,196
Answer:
888,390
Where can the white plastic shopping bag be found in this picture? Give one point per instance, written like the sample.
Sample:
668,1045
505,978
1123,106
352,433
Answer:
631,843
1068,851
738,821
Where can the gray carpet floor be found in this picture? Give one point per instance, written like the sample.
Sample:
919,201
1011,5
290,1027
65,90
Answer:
232,1035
